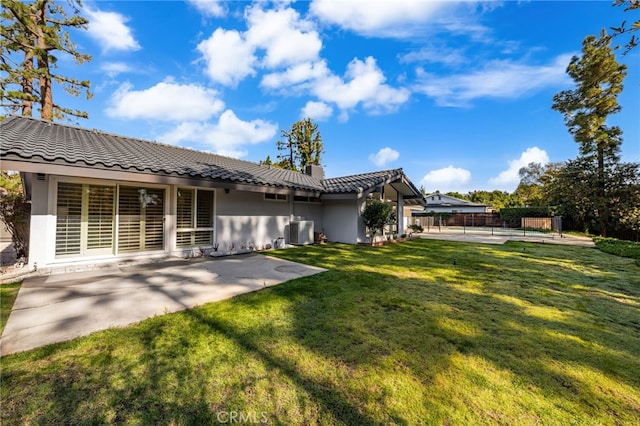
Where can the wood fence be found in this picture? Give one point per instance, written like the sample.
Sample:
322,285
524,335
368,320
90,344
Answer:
536,222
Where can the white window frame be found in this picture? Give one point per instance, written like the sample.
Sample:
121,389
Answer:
194,211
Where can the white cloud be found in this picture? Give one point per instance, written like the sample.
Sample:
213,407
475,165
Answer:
508,179
226,137
435,54
465,25
288,47
228,56
447,179
317,111
384,156
109,29
498,79
364,83
166,101
395,18
286,38
112,69
295,75
212,8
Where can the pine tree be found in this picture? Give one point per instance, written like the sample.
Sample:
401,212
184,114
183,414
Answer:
599,80
31,32
303,145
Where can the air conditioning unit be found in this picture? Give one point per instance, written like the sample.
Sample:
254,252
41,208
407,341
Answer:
301,232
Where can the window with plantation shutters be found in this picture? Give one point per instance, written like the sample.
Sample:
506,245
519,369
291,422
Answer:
84,219
194,217
69,219
140,219
204,205
100,217
154,220
185,208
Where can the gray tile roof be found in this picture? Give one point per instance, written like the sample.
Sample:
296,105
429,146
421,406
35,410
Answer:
359,183
37,141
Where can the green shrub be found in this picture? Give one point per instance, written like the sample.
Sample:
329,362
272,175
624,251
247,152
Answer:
15,213
618,247
376,215
414,227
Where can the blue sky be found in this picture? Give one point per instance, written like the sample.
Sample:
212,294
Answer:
458,94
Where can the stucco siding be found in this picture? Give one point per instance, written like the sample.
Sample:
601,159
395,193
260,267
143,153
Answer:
340,220
43,223
249,230
244,218
309,211
249,203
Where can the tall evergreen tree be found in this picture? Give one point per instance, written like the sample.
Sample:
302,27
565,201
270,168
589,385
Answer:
599,80
302,145
31,33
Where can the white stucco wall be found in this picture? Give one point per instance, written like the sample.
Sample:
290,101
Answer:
309,211
246,217
42,244
340,220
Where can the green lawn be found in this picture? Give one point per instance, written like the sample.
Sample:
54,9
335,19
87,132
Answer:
8,293
519,334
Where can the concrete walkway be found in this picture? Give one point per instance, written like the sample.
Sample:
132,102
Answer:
57,308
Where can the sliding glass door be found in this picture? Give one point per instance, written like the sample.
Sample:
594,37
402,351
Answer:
140,219
87,224
85,219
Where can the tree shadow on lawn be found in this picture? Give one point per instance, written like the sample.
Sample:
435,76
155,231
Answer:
393,334
541,338
136,378
116,376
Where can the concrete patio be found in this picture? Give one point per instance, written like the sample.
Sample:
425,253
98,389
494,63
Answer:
61,307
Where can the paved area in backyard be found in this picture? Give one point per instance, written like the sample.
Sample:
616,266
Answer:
61,307
500,236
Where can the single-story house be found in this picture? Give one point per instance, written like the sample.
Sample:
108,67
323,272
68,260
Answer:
441,203
97,197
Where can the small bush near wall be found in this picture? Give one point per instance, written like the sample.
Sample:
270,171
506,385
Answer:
15,212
